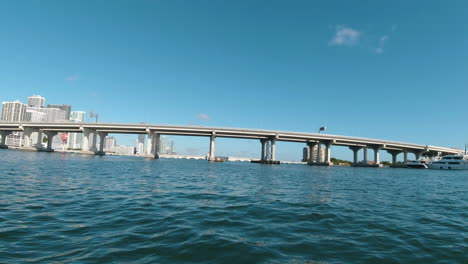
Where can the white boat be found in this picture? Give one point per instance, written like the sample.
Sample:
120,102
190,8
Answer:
417,164
450,162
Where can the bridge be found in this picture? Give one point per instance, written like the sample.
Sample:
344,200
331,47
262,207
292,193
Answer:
267,138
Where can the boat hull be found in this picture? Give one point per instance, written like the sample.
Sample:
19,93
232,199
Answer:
446,166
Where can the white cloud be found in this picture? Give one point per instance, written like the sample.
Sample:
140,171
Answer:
394,27
203,117
72,78
345,36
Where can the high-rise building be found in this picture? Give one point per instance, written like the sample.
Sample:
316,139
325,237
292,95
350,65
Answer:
166,146
77,116
51,114
124,150
13,111
34,116
75,139
110,144
66,108
36,101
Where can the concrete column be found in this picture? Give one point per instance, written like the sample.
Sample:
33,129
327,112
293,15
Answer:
211,156
405,157
394,154
263,142
267,149
377,154
156,143
328,152
355,153
365,155
149,143
86,143
319,152
102,139
4,135
38,144
50,136
311,146
93,145
27,137
273,149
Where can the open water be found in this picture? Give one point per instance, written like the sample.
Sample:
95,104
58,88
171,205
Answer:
67,208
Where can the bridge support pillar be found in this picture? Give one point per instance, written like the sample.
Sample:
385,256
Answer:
267,150
156,143
311,149
273,149
102,140
86,144
38,144
394,154
366,161
377,154
27,133
50,136
405,156
149,144
355,150
94,141
328,152
318,158
211,156
316,148
4,134
263,141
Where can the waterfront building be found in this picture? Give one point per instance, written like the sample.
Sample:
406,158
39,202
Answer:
75,139
110,144
166,146
13,111
66,108
51,114
15,139
124,150
36,101
34,116
77,116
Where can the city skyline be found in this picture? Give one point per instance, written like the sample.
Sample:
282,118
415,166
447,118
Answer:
36,111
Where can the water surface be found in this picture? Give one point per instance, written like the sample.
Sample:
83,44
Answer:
64,208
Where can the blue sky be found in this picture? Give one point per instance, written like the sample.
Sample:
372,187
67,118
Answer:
395,70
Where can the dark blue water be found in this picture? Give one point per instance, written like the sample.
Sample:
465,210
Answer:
64,208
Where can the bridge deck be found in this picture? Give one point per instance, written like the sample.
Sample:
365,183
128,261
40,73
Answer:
225,133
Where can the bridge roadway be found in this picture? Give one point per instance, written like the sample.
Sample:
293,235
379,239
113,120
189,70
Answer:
268,138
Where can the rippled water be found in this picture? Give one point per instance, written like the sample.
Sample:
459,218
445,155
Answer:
84,209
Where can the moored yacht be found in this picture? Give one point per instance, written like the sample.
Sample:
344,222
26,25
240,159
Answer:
417,164
450,162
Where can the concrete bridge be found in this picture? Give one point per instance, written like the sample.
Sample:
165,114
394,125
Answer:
267,138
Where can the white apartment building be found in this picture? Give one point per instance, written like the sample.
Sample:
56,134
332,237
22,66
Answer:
36,101
13,111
